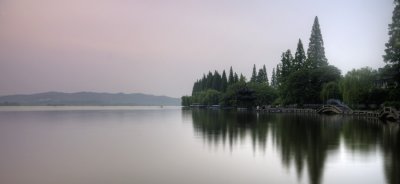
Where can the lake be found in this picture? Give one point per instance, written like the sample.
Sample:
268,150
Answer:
167,145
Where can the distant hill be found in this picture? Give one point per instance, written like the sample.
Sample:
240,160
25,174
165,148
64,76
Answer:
88,98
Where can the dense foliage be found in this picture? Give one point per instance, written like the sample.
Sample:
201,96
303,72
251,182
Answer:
392,55
306,79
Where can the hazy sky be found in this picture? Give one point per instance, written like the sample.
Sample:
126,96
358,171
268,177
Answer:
161,47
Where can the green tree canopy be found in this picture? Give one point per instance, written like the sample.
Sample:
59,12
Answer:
356,85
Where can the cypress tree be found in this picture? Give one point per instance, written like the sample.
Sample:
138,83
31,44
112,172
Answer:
299,57
242,78
260,76
278,75
216,82
254,74
236,78
195,87
273,78
209,80
266,75
203,85
316,51
231,79
286,69
224,82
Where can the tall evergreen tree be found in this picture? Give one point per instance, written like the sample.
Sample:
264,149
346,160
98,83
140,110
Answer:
392,51
224,82
203,83
254,74
266,75
273,78
242,78
278,75
195,87
216,82
260,76
287,62
316,51
236,78
231,79
209,80
299,57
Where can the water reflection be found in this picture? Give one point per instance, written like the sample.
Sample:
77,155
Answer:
303,141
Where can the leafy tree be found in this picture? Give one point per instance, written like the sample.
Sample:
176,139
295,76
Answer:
230,98
264,94
298,88
299,57
318,77
186,100
356,85
316,51
305,86
207,97
392,51
330,90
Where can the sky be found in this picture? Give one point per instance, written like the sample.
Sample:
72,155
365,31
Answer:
162,46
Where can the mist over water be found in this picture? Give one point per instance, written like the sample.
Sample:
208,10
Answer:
170,145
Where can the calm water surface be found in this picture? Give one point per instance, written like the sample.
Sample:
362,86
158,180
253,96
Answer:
151,145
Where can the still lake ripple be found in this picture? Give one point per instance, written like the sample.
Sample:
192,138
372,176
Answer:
151,145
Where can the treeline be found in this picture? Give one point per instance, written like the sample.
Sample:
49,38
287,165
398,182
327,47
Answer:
305,78
216,89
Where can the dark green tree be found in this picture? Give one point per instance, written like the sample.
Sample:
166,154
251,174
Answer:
262,77
299,57
242,78
356,86
266,75
392,51
216,82
186,101
254,74
224,82
231,78
236,78
287,61
278,74
273,79
316,51
209,80
330,90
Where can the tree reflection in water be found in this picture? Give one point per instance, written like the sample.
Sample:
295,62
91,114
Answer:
302,140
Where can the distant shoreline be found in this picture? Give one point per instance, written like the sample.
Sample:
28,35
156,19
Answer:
87,99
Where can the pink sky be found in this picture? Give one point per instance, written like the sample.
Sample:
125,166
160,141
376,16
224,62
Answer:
162,47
